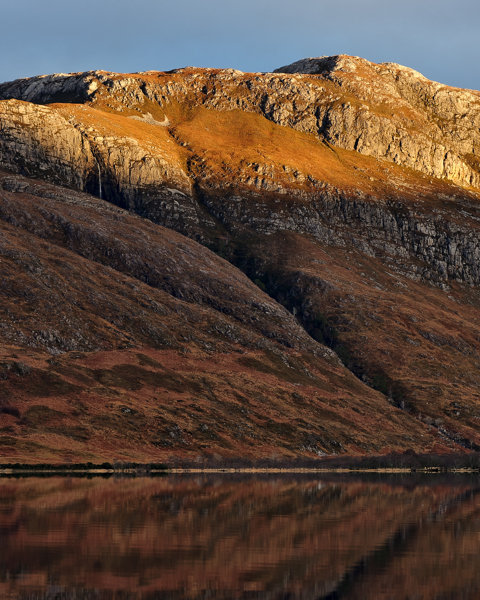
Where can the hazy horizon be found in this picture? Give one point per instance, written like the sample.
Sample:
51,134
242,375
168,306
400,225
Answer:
115,35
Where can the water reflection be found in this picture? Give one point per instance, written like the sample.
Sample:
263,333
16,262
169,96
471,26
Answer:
240,537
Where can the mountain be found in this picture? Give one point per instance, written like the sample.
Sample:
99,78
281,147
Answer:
246,264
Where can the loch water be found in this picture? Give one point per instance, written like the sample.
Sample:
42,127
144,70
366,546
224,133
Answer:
265,536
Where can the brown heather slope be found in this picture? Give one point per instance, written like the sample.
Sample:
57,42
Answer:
336,189
125,340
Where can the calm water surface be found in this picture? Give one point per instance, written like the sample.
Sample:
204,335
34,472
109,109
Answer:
268,537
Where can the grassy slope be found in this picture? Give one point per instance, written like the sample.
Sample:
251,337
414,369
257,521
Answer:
153,368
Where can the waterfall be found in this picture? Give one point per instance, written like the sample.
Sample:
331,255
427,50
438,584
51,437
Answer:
99,181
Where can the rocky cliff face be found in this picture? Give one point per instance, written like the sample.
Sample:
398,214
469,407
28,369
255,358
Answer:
347,190
41,141
114,147
399,115
36,140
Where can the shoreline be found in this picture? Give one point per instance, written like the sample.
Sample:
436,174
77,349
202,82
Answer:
167,471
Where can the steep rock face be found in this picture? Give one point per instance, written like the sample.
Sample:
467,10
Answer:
144,173
35,140
424,246
150,164
40,141
406,118
170,175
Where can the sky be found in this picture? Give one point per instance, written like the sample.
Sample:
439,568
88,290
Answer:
439,38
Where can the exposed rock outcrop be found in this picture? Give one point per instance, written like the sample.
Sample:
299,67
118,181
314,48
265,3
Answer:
422,245
158,172
404,118
382,110
35,140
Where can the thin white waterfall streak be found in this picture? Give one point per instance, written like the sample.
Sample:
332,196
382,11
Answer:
99,181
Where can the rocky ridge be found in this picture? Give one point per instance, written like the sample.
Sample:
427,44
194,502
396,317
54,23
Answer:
382,110
160,176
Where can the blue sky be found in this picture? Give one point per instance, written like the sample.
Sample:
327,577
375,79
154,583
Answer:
439,38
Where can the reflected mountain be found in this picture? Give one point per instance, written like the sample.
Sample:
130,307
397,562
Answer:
268,537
